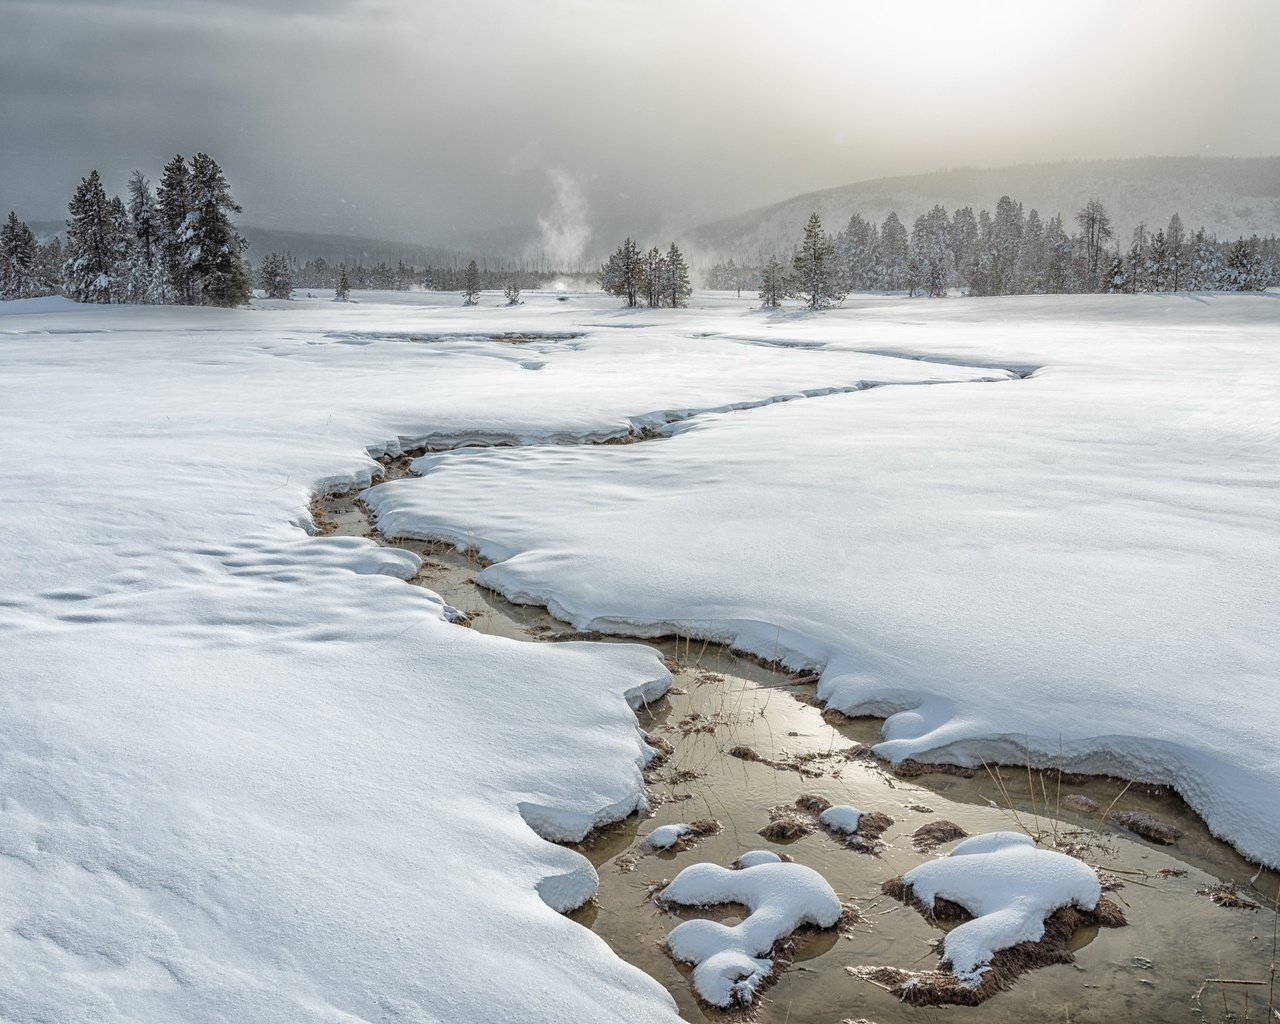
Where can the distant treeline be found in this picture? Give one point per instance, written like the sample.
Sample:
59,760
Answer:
1012,253
320,274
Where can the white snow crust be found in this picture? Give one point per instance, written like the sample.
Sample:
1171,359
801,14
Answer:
1081,562
730,962
1010,886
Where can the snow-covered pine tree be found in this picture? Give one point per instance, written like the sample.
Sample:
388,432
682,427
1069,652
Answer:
471,284
174,226
1005,246
929,257
1117,277
1095,223
512,293
856,254
1176,242
652,271
1033,260
963,241
891,272
275,277
675,287
19,260
1243,271
216,257
93,260
773,284
1207,268
49,262
342,290
623,274
1135,265
814,275
1157,262
121,242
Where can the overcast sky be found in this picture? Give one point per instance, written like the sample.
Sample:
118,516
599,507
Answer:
423,119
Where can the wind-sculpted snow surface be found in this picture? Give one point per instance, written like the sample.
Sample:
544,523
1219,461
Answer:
1082,562
250,774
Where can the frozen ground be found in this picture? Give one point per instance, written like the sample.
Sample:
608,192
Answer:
247,773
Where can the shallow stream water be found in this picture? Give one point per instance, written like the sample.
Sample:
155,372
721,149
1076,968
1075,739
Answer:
1155,969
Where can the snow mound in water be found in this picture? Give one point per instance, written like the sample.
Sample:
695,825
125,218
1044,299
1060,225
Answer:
753,857
1010,886
732,963
666,836
841,818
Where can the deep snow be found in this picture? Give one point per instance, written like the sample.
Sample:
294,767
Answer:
250,773
1082,562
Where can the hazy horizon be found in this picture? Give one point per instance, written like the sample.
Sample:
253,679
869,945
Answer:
437,121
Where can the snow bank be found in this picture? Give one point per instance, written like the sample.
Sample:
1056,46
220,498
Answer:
1080,562
732,963
1010,886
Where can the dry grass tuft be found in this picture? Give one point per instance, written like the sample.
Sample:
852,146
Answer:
1148,827
910,768
935,833
874,824
1080,802
812,803
786,825
1227,895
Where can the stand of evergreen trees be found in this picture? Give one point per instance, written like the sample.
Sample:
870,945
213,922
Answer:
176,245
656,277
1005,253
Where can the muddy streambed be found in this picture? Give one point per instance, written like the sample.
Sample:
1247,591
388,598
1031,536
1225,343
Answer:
1155,969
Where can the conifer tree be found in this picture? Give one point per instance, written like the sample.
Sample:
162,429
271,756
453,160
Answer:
175,224
471,284
929,254
19,260
773,284
815,279
623,274
652,272
512,293
676,287
49,262
275,277
1157,262
892,271
93,257
342,290
1176,242
216,256
963,241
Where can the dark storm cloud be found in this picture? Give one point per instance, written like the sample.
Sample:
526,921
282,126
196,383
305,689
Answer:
427,119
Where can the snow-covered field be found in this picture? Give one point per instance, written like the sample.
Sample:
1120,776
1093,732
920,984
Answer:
246,773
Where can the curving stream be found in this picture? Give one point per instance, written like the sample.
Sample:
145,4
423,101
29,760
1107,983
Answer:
1153,970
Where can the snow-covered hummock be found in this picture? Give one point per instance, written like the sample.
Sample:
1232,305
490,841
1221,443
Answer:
1010,885
666,836
753,857
841,818
731,963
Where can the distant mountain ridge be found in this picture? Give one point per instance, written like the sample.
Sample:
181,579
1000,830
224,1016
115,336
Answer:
1228,196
